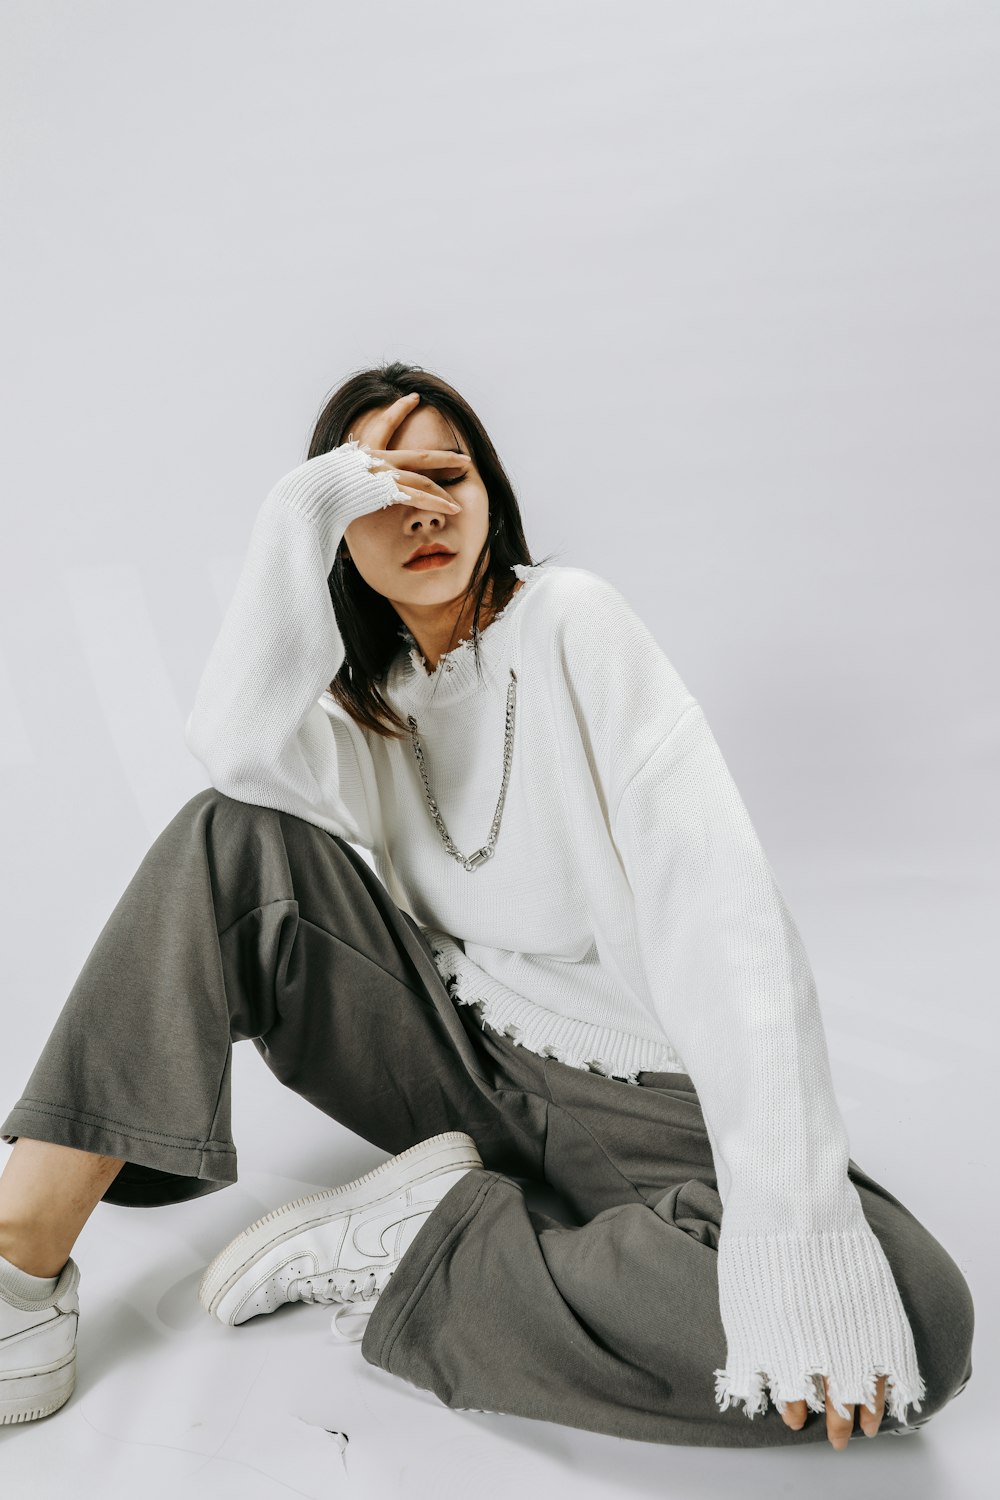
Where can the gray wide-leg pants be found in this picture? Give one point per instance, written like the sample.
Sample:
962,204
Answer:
242,922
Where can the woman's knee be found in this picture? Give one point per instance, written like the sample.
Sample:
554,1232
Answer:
221,812
211,798
939,1304
216,816
952,1312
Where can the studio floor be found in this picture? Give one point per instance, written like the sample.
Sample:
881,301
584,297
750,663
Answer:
170,1403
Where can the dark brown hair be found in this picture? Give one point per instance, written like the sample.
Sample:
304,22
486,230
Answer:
368,623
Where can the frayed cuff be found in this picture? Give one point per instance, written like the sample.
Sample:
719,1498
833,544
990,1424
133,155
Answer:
798,1307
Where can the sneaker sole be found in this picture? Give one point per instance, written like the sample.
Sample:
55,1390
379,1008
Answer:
451,1149
26,1397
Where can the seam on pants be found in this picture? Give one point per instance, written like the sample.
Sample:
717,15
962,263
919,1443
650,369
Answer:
510,1088
85,1117
608,1158
218,1093
362,953
278,901
335,937
546,1065
545,1142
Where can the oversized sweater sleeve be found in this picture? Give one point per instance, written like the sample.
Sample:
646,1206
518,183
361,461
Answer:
263,725
805,1289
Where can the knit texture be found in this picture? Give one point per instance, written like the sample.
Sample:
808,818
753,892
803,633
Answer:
628,919
20,1286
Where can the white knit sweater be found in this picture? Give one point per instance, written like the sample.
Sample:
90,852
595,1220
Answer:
627,920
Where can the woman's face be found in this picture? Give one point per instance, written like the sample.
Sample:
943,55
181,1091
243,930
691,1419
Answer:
381,542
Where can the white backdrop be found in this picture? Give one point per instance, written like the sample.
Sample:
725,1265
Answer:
721,282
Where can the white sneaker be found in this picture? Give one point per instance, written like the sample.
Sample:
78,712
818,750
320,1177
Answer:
38,1350
341,1245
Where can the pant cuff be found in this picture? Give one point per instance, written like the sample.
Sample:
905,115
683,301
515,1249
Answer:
159,1169
421,1259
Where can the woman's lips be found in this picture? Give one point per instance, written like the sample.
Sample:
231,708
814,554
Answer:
430,560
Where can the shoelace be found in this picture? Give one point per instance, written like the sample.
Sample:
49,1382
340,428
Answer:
348,1293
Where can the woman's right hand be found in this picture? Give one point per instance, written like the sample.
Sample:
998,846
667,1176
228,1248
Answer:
374,430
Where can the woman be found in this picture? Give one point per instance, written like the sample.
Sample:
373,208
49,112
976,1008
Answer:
570,963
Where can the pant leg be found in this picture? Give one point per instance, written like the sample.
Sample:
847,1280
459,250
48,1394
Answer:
244,922
613,1326
679,1187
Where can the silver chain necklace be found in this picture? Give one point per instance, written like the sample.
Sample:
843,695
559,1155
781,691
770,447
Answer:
471,861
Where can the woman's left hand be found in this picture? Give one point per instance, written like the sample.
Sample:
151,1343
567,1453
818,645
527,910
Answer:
838,1428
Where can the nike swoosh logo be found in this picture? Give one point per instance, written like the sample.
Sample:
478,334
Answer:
369,1236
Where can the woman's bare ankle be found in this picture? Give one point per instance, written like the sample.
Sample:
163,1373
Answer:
35,1260
47,1194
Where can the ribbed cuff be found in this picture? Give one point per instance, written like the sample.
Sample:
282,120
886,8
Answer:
797,1307
335,488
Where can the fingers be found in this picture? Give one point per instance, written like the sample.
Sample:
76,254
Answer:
420,481
422,501
870,1420
380,425
426,458
423,492
418,490
375,428
838,1428
794,1414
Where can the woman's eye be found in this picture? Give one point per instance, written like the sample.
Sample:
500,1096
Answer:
447,483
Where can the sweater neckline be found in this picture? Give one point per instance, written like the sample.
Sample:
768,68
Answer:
409,682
